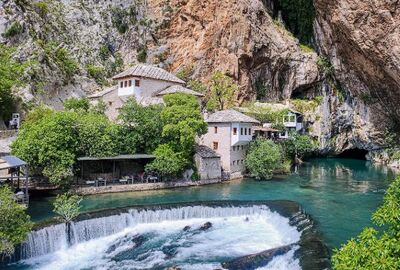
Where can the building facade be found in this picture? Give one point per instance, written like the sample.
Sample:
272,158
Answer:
293,122
229,134
208,163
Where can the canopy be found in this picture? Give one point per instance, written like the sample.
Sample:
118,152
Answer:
8,162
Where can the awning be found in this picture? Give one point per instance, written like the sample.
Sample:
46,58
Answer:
8,162
119,157
265,129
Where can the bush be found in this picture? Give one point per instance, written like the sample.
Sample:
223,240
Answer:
96,72
263,158
67,206
375,249
77,104
303,105
14,30
42,8
15,224
10,73
298,146
168,163
142,55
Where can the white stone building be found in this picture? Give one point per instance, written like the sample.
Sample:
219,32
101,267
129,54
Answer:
293,122
229,134
146,83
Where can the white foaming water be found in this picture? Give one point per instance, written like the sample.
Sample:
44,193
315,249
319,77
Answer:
156,240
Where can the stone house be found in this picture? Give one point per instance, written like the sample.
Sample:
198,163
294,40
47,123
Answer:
229,134
208,163
146,83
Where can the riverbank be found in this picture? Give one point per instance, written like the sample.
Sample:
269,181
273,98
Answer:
143,187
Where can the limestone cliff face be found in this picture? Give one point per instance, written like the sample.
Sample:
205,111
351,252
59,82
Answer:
238,37
62,39
359,38
362,41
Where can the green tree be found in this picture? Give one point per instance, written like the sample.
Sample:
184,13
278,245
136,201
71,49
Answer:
263,158
375,249
10,73
50,145
141,126
222,92
182,122
15,224
168,163
298,146
67,206
97,136
77,104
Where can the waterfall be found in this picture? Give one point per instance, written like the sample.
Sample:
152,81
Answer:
53,238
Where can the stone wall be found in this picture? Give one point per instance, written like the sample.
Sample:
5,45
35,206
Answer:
142,187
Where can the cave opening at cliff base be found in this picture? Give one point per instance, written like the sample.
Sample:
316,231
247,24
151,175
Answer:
354,153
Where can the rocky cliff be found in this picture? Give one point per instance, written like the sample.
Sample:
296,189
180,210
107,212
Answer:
76,45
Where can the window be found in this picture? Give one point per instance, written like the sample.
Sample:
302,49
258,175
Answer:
234,131
215,145
241,131
215,130
130,83
233,162
245,131
121,84
126,83
242,147
249,131
137,83
110,103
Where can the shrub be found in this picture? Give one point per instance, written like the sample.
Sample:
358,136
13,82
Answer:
142,55
263,158
298,146
77,104
10,73
15,224
14,30
42,8
306,49
67,206
375,249
96,72
65,61
325,66
303,105
168,163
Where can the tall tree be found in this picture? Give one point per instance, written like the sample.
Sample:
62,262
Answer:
141,126
222,92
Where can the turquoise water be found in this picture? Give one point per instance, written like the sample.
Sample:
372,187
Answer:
340,195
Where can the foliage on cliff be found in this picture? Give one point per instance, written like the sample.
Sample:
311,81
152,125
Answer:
15,224
10,75
375,248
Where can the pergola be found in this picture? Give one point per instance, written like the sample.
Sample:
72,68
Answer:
113,160
17,171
